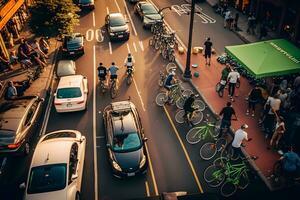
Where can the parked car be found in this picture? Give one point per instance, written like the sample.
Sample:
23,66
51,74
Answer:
65,68
73,45
133,1
117,27
125,139
71,94
86,4
18,125
148,13
56,167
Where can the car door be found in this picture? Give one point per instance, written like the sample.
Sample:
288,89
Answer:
73,172
85,87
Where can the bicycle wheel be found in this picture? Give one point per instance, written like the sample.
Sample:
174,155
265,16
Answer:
219,162
228,189
180,102
171,57
214,176
243,180
218,86
194,135
187,93
221,143
197,117
179,117
200,105
129,79
161,99
164,53
160,82
157,44
113,92
170,67
208,151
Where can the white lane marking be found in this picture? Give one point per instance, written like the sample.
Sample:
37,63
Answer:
133,27
152,171
178,9
94,19
139,94
118,6
3,164
99,36
94,129
100,137
110,49
141,45
134,47
147,189
89,36
107,10
128,48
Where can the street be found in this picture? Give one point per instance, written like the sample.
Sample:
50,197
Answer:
174,165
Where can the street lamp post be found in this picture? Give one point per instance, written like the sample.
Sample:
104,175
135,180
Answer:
187,71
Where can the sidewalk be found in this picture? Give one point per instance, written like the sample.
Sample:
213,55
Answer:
205,85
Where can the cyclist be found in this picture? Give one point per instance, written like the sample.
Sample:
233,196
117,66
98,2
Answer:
169,83
129,62
102,72
113,72
188,108
290,162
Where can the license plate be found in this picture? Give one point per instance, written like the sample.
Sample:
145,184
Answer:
120,36
71,53
69,105
131,174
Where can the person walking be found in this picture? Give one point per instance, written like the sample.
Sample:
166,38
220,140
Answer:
226,19
235,23
207,51
254,97
233,78
239,136
272,106
278,133
226,114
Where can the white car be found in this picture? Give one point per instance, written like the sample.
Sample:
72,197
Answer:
65,68
56,167
71,94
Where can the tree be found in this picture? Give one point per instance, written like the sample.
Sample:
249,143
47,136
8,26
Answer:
53,17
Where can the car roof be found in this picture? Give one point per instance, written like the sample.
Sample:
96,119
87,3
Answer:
123,123
11,118
70,81
116,15
52,151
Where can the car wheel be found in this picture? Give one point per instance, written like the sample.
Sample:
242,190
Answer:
26,150
77,197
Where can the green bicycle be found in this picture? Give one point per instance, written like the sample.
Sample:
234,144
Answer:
209,130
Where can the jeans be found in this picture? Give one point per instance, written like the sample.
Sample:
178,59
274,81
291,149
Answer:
231,89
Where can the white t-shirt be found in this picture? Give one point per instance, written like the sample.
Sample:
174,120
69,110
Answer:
239,136
233,77
274,103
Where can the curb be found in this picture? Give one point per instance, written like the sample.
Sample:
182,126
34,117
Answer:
241,37
260,174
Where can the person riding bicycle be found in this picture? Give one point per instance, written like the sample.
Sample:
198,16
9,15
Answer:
290,162
169,82
129,62
113,72
102,72
188,107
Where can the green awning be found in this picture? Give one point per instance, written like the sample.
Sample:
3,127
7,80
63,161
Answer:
268,58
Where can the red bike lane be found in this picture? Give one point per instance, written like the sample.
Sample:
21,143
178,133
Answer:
209,76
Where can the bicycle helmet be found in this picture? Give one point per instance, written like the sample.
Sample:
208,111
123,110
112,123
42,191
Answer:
113,63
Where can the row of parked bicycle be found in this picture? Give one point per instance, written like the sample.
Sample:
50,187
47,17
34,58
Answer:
163,40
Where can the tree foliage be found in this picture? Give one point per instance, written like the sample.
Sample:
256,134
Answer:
53,17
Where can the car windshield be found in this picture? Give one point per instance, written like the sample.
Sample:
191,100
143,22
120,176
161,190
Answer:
117,21
85,1
149,9
72,92
126,142
47,178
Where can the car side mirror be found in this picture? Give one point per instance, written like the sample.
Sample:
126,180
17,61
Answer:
74,177
22,186
54,94
145,139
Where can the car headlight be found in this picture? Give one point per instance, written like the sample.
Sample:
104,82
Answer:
116,166
112,34
143,161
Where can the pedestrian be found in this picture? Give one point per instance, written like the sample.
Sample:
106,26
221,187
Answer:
233,78
226,18
254,97
278,133
226,114
44,45
290,162
235,23
239,136
11,92
251,24
272,106
263,31
207,51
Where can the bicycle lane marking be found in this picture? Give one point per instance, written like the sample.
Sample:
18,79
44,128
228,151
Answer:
185,151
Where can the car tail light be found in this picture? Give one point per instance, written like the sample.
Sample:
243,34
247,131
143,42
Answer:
56,103
80,102
13,146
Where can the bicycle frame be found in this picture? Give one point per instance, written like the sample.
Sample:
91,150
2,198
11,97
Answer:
205,130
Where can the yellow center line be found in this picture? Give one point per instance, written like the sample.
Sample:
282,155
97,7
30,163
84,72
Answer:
151,171
147,189
185,151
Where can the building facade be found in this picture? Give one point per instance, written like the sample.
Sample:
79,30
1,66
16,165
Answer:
13,15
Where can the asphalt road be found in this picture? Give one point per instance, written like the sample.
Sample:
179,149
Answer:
175,165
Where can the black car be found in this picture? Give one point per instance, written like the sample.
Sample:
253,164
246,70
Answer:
86,4
117,27
125,139
148,13
18,125
73,45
